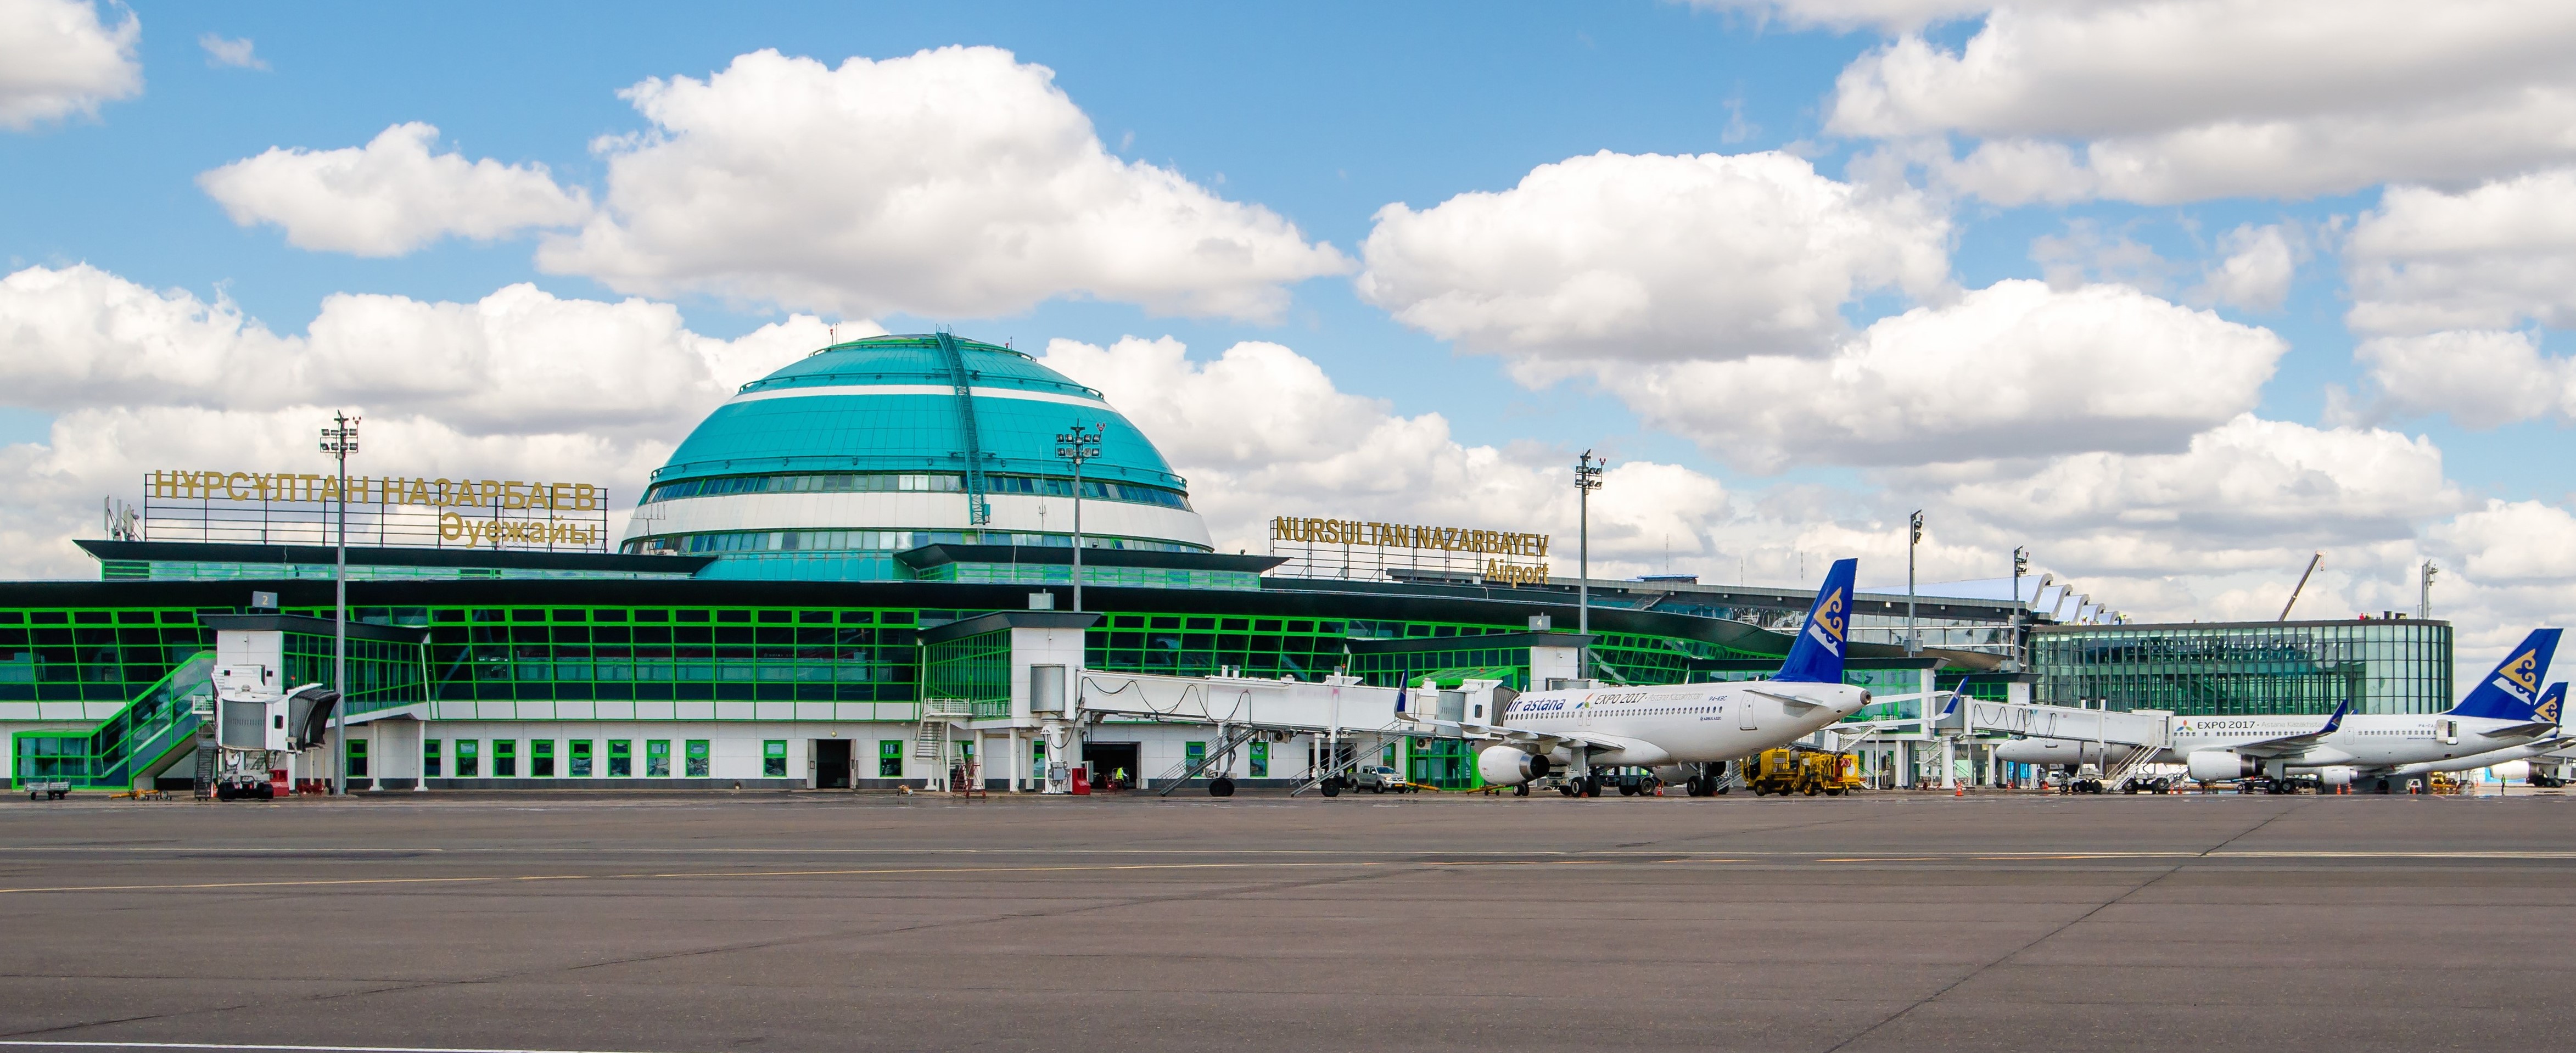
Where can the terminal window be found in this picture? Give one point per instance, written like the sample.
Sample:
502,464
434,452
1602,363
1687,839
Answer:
469,758
657,759
698,759
773,759
429,758
357,758
579,750
1260,760
541,758
889,758
505,758
621,758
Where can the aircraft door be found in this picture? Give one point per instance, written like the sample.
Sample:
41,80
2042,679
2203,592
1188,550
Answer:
2448,731
1745,719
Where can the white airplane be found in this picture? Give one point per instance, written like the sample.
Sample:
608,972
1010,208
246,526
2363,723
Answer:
2550,701
1690,725
2506,711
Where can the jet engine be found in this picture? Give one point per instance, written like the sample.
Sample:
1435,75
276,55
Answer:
2222,765
1510,766
2338,775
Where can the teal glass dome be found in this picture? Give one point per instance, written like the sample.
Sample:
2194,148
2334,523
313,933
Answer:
875,446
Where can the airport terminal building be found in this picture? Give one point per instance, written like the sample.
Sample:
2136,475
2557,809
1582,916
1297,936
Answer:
857,573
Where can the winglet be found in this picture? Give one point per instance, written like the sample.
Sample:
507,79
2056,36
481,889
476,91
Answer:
2336,720
1817,657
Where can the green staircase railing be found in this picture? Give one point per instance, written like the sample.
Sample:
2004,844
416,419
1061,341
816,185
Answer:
136,740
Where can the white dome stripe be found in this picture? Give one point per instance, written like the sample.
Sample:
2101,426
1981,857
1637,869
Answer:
915,389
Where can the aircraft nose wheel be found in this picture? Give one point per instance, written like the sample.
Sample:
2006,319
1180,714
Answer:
1521,790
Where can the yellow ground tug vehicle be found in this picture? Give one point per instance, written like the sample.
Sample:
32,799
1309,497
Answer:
1808,771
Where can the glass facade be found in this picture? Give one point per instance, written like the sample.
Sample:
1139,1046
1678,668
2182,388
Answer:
2220,668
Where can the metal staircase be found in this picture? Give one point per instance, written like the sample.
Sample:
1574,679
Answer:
1234,738
139,740
1338,767
979,510
938,715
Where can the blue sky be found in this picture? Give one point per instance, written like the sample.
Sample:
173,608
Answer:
1323,114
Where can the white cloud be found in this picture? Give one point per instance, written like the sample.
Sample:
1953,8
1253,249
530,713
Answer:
2256,275
1261,431
2491,257
517,360
2250,494
57,58
390,196
2513,541
2481,378
2177,100
1647,258
2087,255
1893,15
519,381
951,182
2015,369
222,51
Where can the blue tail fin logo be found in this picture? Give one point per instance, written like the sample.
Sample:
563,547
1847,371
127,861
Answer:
1817,657
2512,692
2551,701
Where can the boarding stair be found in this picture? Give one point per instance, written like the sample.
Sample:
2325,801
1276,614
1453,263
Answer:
938,717
1341,765
132,745
1234,738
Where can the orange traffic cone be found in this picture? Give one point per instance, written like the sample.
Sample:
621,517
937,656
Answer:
1963,790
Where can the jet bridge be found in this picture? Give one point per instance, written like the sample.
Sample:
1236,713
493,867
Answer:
2126,741
1336,710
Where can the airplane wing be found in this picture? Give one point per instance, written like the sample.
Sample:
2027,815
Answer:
2520,731
2294,745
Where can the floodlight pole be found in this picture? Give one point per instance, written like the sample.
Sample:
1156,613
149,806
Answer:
1587,478
340,440
1078,445
1913,537
2021,563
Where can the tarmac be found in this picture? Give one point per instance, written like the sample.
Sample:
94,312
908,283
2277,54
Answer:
832,921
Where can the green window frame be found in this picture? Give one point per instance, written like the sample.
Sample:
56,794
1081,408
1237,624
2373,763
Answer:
469,759
657,758
698,759
773,759
541,758
429,751
621,758
889,758
1192,753
1260,760
505,758
578,753
357,757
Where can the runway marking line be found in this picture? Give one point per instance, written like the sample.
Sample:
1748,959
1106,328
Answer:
297,1049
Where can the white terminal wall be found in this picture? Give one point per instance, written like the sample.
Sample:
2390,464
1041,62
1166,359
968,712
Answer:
1028,513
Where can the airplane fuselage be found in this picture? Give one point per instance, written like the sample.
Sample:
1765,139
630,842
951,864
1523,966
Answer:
1684,723
2369,741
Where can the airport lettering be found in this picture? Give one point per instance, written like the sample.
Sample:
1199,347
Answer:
436,493
453,527
1405,535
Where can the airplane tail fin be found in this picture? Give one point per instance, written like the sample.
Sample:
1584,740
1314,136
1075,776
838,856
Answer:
2552,702
1817,657
2513,692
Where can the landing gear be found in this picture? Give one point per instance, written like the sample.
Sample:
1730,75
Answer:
1696,786
1330,787
1221,787
1569,788
1521,790
1592,786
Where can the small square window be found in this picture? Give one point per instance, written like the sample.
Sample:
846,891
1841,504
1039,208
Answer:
541,759
578,755
657,759
429,750
890,758
505,758
698,759
621,758
469,759
773,759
